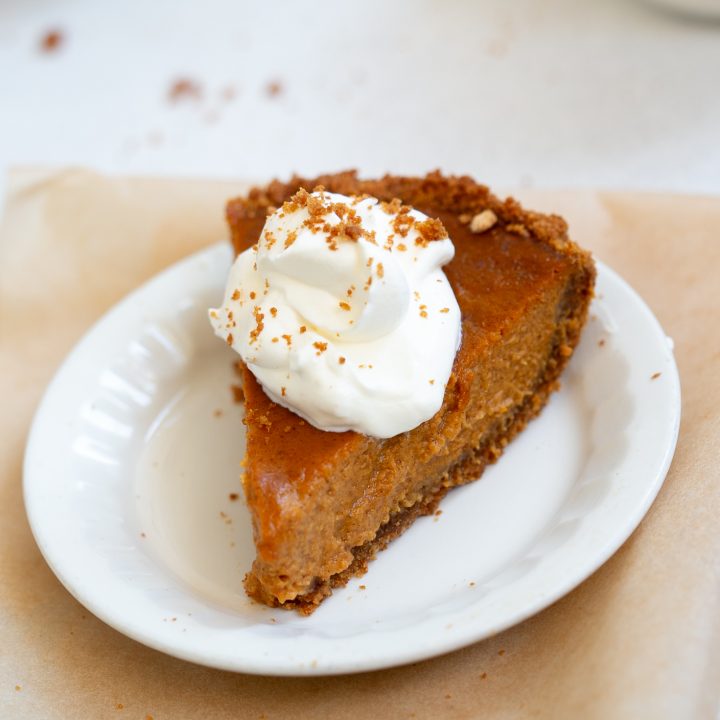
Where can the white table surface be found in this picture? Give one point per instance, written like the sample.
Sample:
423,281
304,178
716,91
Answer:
552,93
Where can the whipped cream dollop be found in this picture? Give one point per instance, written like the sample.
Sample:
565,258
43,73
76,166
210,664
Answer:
343,313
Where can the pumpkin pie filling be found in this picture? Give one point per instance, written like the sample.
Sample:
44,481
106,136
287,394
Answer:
323,503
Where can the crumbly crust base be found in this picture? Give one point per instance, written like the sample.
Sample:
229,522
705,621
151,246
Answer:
457,194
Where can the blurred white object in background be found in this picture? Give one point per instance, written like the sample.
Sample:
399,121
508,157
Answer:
696,8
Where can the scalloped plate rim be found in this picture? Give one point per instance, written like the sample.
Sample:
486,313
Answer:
373,656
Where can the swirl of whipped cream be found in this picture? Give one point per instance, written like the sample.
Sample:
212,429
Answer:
343,313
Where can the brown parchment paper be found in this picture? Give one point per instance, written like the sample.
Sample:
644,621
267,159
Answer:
639,639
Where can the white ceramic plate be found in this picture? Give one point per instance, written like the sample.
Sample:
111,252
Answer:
136,448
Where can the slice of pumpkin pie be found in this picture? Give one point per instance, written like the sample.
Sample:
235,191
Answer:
395,334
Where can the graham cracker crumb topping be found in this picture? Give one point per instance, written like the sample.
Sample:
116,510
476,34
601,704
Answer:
429,230
518,229
259,324
482,221
270,239
290,239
